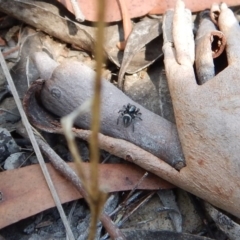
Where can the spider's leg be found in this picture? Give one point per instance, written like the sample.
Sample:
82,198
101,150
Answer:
138,118
133,125
120,115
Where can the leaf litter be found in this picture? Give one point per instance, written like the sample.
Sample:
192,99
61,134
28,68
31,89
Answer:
133,61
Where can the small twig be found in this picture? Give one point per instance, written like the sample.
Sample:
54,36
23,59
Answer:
138,183
5,110
26,159
127,24
145,200
97,197
67,123
10,51
125,203
35,146
77,11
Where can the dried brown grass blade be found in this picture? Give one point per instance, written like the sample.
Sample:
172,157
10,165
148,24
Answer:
25,192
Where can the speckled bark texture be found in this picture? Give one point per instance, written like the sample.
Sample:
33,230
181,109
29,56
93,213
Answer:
207,116
72,83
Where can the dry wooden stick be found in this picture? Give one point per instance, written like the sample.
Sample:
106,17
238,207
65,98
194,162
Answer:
77,11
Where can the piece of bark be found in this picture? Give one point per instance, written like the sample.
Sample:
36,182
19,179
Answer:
24,191
72,83
207,116
209,44
121,148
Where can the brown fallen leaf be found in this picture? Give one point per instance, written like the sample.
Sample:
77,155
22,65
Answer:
145,34
81,36
137,8
24,191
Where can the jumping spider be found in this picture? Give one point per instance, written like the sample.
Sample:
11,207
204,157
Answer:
129,114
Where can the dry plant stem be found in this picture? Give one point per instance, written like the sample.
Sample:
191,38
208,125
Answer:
41,119
134,154
140,204
63,92
91,195
35,147
97,197
10,51
209,44
127,24
66,171
134,189
77,11
67,123
118,147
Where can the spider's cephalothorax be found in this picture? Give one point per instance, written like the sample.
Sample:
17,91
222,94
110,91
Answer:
129,114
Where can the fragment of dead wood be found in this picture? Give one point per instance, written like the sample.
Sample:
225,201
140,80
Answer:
67,172
129,152
10,51
25,193
207,116
45,121
208,174
63,93
209,44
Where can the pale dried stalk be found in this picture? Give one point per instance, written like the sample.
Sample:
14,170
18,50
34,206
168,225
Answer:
98,197
35,147
77,11
67,123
